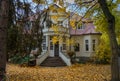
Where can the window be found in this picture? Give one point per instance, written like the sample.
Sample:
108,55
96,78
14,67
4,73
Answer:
51,46
44,43
44,46
44,39
64,46
77,47
93,47
86,45
60,23
81,26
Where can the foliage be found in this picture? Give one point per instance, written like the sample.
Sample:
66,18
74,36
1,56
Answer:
72,23
70,53
23,34
103,53
55,39
17,59
39,1
78,72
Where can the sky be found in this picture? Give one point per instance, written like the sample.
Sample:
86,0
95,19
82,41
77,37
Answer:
33,5
72,7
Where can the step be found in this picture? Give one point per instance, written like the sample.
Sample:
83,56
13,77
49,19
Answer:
53,62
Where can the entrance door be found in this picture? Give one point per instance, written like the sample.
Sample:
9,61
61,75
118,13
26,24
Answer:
56,49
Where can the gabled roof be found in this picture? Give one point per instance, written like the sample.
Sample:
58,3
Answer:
89,29
57,6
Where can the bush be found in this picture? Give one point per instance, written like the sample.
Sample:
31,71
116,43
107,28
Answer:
17,59
70,53
103,54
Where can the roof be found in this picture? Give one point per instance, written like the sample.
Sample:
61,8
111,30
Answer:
89,29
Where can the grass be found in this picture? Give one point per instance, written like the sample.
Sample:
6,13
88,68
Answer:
77,72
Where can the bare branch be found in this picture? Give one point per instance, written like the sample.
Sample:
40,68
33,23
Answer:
87,11
85,2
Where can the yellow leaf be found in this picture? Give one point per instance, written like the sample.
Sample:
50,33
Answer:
72,23
55,17
39,1
54,39
55,28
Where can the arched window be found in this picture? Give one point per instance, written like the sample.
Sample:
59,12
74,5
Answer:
80,25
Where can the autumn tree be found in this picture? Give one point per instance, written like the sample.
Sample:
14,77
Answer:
103,5
113,42
4,16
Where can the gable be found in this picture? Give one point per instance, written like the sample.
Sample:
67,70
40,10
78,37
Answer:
56,8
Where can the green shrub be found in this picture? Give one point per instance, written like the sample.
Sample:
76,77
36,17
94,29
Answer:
17,59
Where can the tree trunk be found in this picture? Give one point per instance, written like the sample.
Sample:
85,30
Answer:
4,13
113,42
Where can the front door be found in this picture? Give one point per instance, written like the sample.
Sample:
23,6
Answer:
56,49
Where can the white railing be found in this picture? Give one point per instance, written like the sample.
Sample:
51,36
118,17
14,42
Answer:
65,58
41,58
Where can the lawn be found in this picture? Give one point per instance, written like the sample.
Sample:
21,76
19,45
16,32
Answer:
77,72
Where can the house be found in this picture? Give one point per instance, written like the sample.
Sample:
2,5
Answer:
86,38
57,37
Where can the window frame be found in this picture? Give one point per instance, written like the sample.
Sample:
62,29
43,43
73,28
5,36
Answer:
93,44
81,26
44,46
64,46
86,45
44,43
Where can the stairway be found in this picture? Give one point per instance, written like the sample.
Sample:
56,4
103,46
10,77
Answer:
53,62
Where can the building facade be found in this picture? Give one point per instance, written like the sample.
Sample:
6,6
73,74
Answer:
57,37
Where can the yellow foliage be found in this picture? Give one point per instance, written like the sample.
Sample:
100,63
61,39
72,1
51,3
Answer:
77,72
54,17
54,39
55,28
70,42
72,23
39,1
60,39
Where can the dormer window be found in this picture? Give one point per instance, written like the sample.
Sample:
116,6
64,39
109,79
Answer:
81,26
